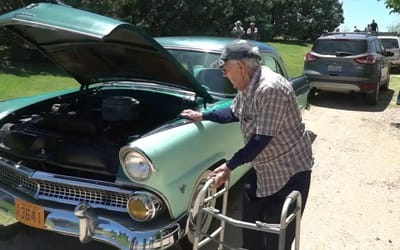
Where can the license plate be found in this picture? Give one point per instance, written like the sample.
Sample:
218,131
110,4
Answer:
335,68
29,213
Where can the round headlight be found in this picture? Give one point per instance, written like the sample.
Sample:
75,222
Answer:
135,165
143,206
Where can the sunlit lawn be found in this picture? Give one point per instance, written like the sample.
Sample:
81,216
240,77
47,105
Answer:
293,55
395,86
16,86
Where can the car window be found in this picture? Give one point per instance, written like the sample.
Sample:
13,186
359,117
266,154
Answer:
378,45
203,66
195,60
269,61
374,46
333,46
390,43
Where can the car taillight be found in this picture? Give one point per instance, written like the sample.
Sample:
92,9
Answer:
366,59
310,57
368,86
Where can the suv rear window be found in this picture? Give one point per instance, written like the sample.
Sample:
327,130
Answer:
390,43
333,47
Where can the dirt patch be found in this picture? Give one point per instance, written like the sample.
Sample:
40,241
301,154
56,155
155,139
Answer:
355,193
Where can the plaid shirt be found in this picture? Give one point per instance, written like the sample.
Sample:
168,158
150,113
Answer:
268,107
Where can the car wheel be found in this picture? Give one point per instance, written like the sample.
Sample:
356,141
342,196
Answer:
187,242
311,93
373,97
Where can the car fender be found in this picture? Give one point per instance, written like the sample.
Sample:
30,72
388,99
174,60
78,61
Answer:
181,154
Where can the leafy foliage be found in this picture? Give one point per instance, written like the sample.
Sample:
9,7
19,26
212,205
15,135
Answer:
394,28
287,19
394,5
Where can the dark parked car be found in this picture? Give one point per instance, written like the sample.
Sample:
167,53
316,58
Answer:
112,161
348,62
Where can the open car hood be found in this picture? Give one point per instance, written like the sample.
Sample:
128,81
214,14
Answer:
94,48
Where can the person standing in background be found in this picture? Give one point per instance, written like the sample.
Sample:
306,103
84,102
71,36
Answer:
252,32
238,30
374,26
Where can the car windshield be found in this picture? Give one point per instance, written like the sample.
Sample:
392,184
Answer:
389,43
340,46
202,65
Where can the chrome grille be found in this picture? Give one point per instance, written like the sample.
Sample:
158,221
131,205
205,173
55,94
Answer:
76,194
44,186
18,181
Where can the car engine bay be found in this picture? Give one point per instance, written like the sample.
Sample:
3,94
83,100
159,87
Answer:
80,134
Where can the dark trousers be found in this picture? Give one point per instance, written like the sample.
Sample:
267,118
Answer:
268,209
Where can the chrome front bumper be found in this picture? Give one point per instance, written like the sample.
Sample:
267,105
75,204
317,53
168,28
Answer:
89,223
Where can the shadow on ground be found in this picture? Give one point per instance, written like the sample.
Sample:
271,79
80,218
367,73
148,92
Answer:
353,101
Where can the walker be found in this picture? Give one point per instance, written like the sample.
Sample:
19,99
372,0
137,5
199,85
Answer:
201,209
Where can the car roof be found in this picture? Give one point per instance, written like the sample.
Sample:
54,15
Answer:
389,37
347,35
206,43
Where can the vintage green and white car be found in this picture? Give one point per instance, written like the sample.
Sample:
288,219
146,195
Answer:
112,161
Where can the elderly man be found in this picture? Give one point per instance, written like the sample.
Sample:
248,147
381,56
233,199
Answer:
276,143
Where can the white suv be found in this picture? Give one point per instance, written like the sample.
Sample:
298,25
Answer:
392,44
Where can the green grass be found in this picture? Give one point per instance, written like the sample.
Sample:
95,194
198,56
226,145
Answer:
35,79
395,82
293,55
4,218
395,86
12,86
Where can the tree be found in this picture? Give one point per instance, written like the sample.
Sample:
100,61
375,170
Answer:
318,16
394,5
304,19
286,19
394,28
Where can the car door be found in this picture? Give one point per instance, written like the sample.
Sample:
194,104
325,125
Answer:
382,60
300,83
